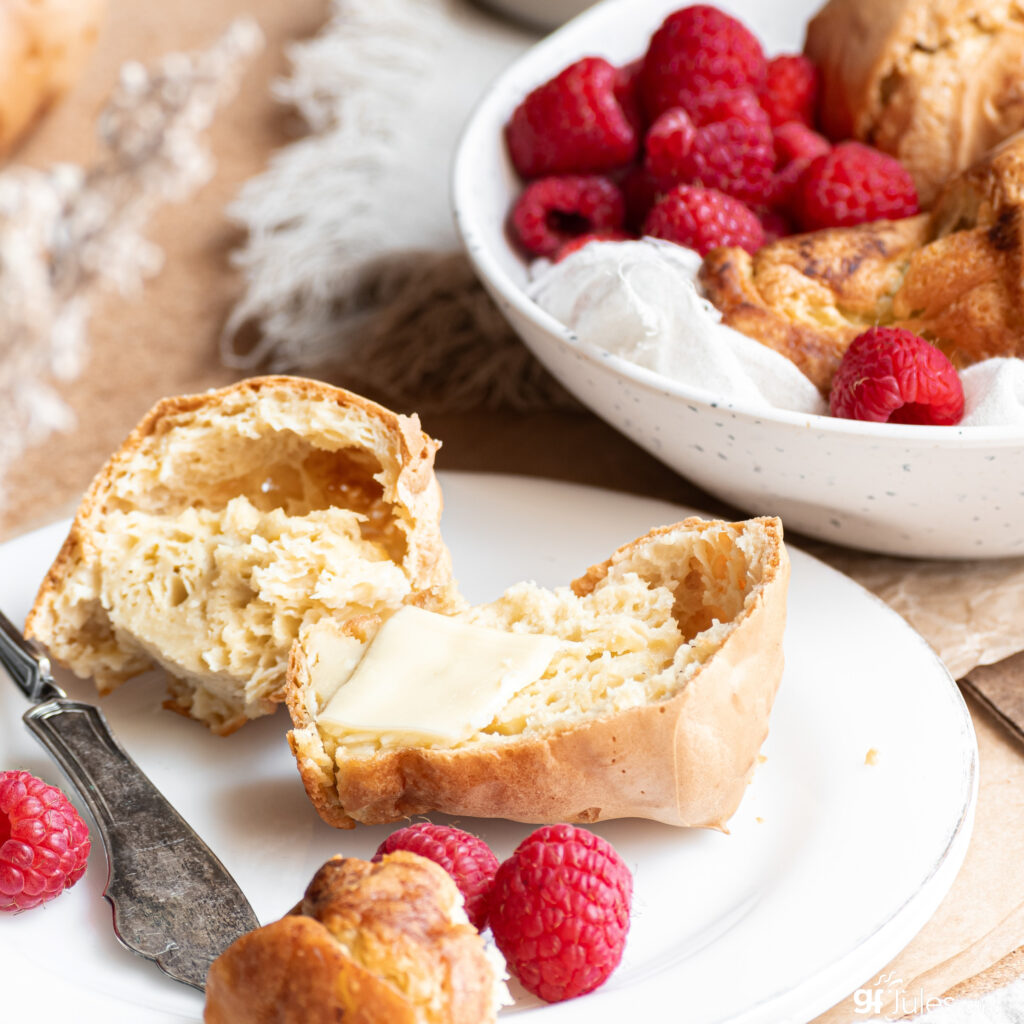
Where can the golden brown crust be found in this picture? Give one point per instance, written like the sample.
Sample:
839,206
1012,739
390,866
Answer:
685,760
808,296
368,944
91,645
934,82
293,970
955,276
416,484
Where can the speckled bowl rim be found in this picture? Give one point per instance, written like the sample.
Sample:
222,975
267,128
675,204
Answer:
491,110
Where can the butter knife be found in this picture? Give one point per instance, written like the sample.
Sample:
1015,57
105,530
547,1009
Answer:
173,900
1000,689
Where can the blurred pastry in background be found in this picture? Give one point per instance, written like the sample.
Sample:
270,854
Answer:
44,45
935,83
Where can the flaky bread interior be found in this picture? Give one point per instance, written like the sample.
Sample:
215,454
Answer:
954,276
225,522
370,943
654,705
935,83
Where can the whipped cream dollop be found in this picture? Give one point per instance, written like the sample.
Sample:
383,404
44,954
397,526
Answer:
641,301
993,393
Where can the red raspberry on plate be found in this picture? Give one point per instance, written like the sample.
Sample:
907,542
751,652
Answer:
891,375
703,219
730,149
697,50
790,89
853,184
572,124
44,844
467,858
560,911
553,211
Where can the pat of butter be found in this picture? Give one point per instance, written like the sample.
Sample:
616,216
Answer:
428,678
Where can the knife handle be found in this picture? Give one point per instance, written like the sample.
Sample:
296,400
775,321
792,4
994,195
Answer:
173,900
80,740
26,663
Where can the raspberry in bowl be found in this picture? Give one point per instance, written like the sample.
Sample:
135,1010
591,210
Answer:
890,375
905,489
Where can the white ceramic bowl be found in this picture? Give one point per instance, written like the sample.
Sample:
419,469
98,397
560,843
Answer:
546,14
944,492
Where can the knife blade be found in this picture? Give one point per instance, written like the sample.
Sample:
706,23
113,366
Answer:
999,687
173,901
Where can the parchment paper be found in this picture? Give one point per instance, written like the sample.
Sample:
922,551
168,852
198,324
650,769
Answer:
971,612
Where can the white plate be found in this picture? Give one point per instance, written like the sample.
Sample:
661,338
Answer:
831,867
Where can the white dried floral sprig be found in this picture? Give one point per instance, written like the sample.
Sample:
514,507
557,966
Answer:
68,232
351,267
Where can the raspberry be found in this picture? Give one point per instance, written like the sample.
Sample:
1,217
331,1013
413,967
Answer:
465,857
667,146
730,149
890,375
853,184
704,219
572,124
795,146
775,225
641,192
723,104
44,844
793,140
595,236
627,92
560,911
790,89
697,50
782,192
553,211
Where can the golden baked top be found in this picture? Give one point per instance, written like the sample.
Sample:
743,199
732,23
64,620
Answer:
954,276
377,943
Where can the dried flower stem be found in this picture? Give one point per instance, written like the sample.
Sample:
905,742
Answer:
68,232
